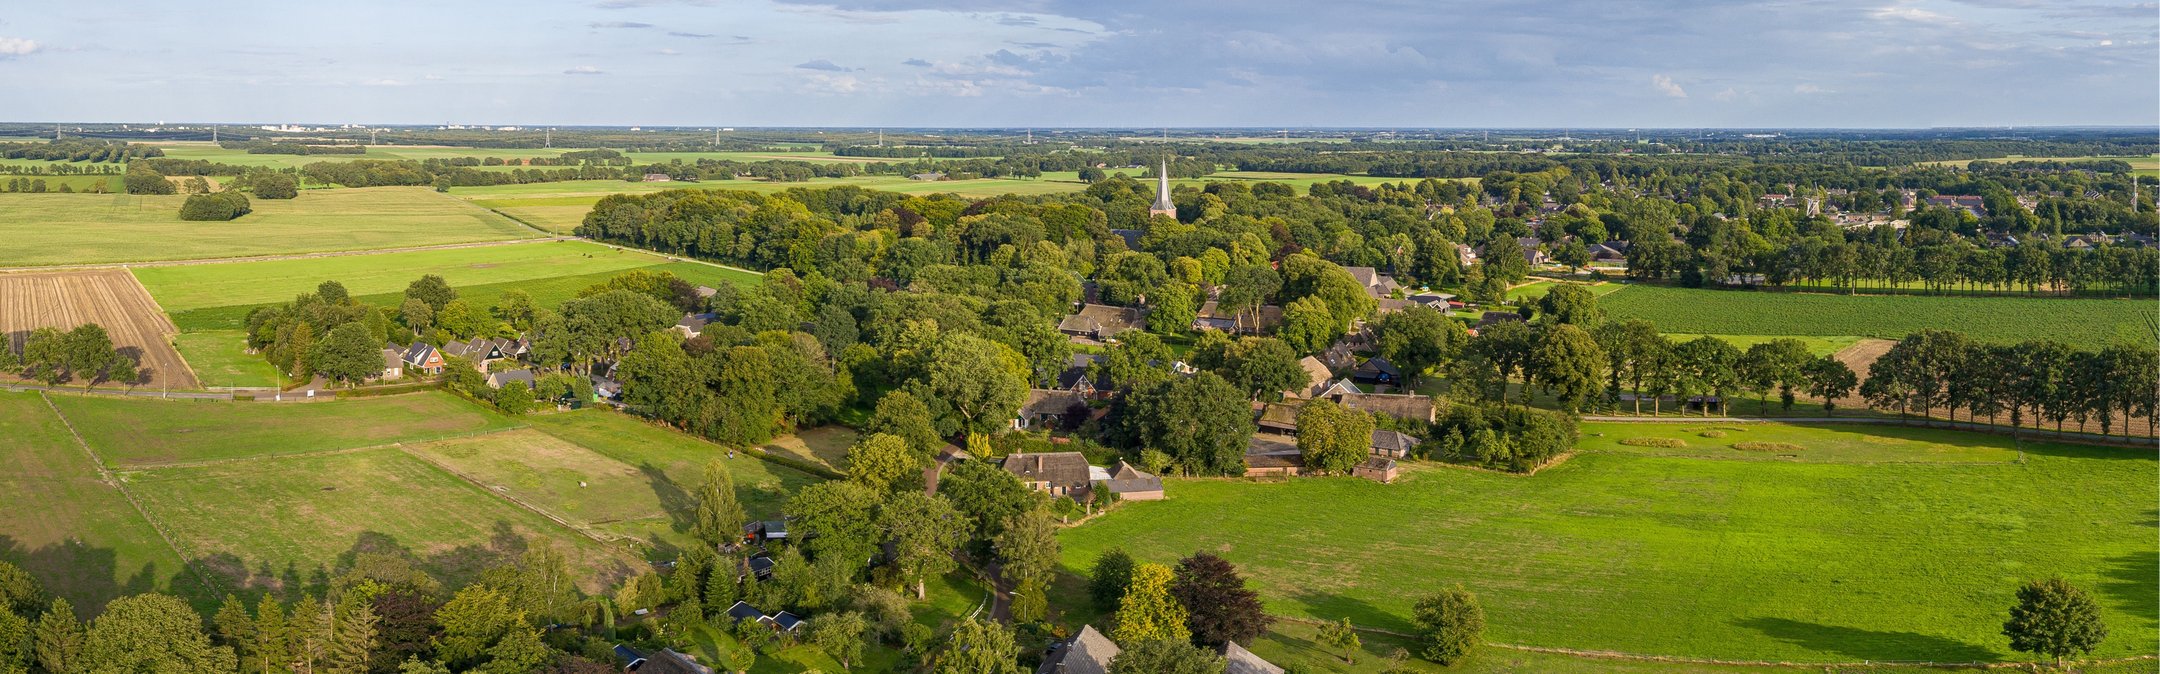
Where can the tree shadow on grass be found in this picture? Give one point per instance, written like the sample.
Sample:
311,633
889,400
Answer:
1860,644
1360,612
677,502
2127,585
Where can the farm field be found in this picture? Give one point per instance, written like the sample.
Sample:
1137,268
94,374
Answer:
107,297
2082,322
64,525
272,520
212,152
1820,346
2142,165
1851,551
220,359
50,229
77,183
138,432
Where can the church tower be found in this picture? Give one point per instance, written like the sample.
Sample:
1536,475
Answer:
1162,193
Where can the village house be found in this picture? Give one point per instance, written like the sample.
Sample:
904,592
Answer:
1398,405
1377,370
665,661
1051,409
1533,250
393,364
1610,252
1970,204
1376,284
1101,321
423,357
1277,418
1213,317
1076,378
1132,484
518,376
1057,473
1440,302
1393,444
691,325
1317,375
1339,355
1088,652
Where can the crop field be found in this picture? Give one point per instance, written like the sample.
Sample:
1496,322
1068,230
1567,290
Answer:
49,229
137,432
70,529
271,520
2086,323
1867,544
220,360
107,297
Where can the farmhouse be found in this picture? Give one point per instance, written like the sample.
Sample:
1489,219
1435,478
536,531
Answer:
690,325
658,178
1075,376
1532,250
1058,473
1088,652
518,376
1277,418
1102,321
932,176
1398,405
1392,444
1317,375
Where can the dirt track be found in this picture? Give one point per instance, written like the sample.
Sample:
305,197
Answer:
108,297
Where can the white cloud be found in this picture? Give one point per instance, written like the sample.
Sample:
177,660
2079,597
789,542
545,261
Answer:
1726,96
1913,14
16,46
1666,86
584,70
1809,89
384,82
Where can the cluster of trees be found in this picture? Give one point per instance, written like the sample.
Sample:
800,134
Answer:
261,146
85,352
141,179
78,150
2033,381
214,206
38,186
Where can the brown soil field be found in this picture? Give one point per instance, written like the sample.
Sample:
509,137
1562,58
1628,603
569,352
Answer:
108,297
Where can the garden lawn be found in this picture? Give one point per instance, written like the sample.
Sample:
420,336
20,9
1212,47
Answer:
2086,323
135,432
279,519
1804,561
48,229
220,359
674,462
59,521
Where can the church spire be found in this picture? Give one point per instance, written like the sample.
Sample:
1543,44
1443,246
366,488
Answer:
1162,205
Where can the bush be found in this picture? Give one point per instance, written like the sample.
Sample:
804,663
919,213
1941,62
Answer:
1511,438
1712,434
218,206
1767,446
1654,442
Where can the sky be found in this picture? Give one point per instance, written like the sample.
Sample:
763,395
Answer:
1092,63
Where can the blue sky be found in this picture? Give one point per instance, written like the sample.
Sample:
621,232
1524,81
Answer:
1044,63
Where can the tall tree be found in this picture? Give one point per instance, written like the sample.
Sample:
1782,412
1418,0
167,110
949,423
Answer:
972,384
1567,363
719,518
1109,578
1570,304
151,633
2054,618
1222,609
1829,379
837,520
1450,624
1419,339
924,530
901,414
1164,656
58,638
840,635
1148,612
978,647
431,290
1028,548
884,463
1333,438
1203,422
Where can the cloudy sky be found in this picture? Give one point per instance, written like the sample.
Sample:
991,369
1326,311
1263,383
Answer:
1138,63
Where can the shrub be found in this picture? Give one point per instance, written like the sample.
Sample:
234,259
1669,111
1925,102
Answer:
219,206
144,180
1713,433
276,186
1753,446
1510,438
1653,442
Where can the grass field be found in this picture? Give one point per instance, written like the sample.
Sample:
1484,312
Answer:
220,359
762,487
212,152
276,519
138,432
576,484
47,229
2086,323
183,287
1829,558
77,183
76,534
1820,346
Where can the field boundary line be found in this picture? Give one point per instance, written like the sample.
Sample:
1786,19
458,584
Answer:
137,467
1678,659
107,475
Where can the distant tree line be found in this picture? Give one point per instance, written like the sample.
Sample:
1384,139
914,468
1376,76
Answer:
78,150
259,146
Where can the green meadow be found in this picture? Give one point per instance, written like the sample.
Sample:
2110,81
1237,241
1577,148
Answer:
137,432
50,229
220,359
1866,544
2082,322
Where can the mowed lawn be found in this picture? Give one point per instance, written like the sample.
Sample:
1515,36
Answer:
2082,322
48,229
75,534
276,519
135,432
220,359
1823,560
761,486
